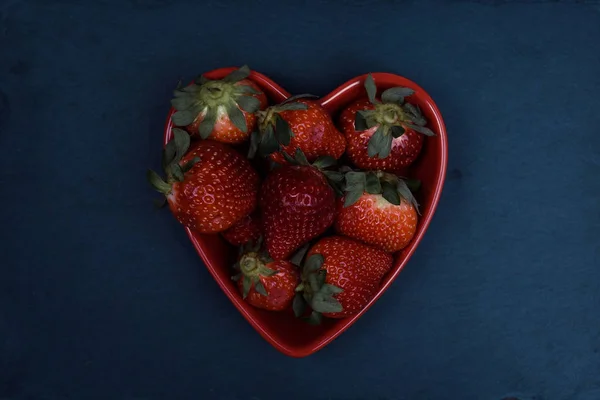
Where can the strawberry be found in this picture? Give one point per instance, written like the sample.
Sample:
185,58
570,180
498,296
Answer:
265,283
208,188
245,230
378,209
385,134
298,124
297,204
222,110
340,277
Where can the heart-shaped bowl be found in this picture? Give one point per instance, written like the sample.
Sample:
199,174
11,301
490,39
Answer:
286,333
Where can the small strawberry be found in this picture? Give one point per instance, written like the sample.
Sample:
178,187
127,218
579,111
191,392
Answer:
378,209
298,124
248,229
297,204
208,188
383,134
222,110
340,277
265,283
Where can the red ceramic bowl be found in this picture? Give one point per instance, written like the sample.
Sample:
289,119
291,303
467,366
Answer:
286,333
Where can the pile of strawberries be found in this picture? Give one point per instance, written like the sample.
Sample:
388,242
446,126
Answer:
317,208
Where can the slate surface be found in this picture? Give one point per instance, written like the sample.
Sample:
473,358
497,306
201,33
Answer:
102,297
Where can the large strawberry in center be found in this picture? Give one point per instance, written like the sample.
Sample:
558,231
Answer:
297,204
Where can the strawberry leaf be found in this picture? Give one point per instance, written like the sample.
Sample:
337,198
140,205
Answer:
237,117
283,132
421,129
182,143
274,165
191,89
292,107
335,180
246,89
406,194
297,258
313,281
288,158
299,96
314,263
380,143
260,288
325,303
414,114
321,277
168,155
334,176
182,102
351,198
264,271
360,122
208,124
188,165
299,305
246,285
238,74
254,141
315,318
177,172
397,131
355,187
371,88
396,95
328,289
157,182
301,157
372,185
250,104
268,144
390,193
324,162
183,117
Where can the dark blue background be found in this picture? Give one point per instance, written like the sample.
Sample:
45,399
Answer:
103,297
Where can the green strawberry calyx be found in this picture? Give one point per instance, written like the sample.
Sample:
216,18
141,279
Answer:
315,292
393,188
209,99
391,116
274,131
172,154
252,265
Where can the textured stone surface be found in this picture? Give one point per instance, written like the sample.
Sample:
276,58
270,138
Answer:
103,297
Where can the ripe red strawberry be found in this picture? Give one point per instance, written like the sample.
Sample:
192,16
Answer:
208,188
265,283
383,134
248,229
378,209
297,204
340,277
222,110
298,124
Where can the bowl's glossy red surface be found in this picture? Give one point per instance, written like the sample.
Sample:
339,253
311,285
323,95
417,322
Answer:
286,333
